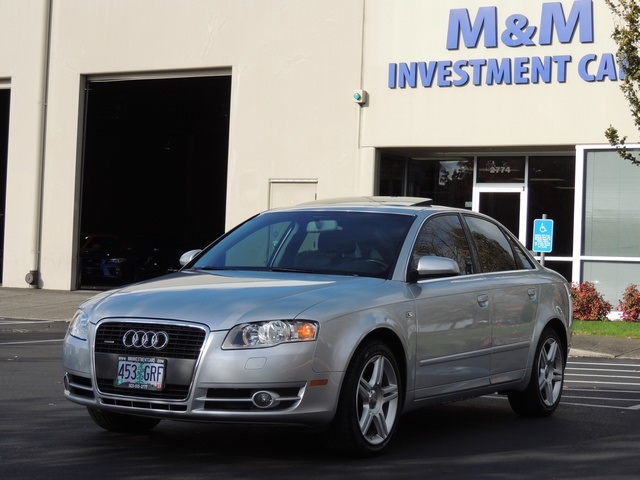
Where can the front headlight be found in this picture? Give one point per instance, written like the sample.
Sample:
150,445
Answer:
79,326
271,333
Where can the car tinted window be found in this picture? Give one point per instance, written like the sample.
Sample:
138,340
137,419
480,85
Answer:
523,261
443,236
493,247
348,243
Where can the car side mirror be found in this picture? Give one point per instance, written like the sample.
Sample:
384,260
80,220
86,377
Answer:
188,256
434,267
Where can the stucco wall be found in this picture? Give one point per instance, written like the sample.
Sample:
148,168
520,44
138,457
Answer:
569,112
294,66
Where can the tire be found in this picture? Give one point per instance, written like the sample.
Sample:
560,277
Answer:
542,395
121,422
369,405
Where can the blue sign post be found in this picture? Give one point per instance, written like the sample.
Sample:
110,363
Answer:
542,236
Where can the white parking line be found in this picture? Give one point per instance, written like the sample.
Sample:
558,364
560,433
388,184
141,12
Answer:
600,382
4,321
570,364
32,341
593,405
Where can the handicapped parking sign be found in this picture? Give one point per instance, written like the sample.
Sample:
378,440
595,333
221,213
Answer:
542,235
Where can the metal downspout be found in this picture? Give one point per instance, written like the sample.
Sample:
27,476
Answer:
33,276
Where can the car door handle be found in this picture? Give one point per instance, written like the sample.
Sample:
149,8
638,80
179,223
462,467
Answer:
483,300
533,294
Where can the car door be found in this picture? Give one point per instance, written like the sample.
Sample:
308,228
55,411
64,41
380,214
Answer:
453,315
513,297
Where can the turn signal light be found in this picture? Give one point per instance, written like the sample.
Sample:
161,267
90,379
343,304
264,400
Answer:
306,331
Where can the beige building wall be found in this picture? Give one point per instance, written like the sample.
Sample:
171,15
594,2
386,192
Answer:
569,113
294,67
23,27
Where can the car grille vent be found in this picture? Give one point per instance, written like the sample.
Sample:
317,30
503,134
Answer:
80,386
240,399
184,341
146,405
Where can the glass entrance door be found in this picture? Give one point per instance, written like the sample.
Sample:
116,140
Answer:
504,207
505,204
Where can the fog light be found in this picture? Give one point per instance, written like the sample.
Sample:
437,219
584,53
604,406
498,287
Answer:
264,399
66,382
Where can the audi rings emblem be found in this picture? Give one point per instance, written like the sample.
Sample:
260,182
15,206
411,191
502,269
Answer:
146,340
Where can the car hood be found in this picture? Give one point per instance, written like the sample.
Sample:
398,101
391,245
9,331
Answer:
222,300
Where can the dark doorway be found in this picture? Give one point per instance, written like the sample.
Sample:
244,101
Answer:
504,207
5,98
154,178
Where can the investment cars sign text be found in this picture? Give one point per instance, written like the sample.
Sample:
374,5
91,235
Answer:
515,31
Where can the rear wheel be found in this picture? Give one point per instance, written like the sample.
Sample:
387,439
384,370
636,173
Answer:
121,422
542,395
370,403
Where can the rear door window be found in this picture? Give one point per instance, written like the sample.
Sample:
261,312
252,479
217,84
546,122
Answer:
493,247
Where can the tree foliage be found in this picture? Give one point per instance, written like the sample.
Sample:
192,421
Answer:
626,34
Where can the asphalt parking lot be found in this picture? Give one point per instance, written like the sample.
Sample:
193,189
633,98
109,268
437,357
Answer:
37,304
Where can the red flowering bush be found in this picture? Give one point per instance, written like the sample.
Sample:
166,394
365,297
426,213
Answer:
588,304
630,304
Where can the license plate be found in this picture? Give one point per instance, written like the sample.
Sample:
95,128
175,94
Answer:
141,373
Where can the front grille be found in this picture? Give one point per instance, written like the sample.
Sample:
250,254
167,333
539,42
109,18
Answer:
181,354
184,341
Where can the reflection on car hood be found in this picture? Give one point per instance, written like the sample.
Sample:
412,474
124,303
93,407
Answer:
224,299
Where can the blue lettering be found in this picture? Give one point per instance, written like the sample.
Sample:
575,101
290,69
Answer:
553,18
541,69
499,72
463,76
520,69
393,75
460,24
444,72
583,67
561,61
518,32
427,73
408,75
607,68
477,70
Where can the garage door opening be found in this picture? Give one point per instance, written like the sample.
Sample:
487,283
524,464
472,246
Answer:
4,143
154,175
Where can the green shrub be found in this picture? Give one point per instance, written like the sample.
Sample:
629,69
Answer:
630,304
588,304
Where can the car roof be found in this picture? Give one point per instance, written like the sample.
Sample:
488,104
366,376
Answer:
390,204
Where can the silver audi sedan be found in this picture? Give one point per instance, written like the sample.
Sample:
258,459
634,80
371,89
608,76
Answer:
336,315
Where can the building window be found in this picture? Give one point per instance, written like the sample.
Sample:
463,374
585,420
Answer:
611,223
552,192
501,169
446,181
612,196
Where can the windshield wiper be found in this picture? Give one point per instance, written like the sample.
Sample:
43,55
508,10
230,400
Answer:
292,270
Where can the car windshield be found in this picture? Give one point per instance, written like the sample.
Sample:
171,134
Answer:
345,243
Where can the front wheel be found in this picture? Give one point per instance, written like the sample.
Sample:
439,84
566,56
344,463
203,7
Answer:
542,395
369,404
121,422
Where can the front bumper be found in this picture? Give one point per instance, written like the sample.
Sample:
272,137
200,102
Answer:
211,385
